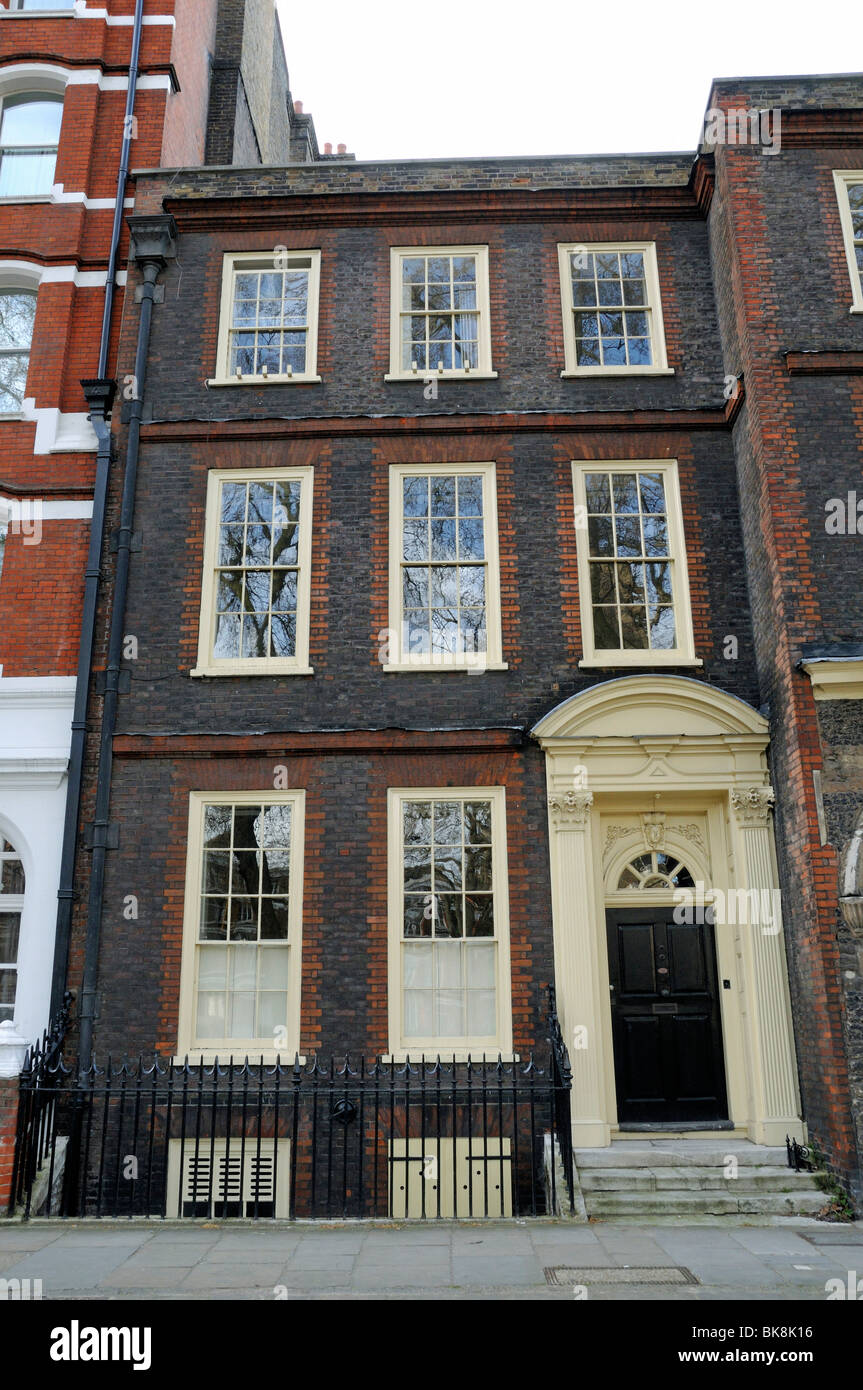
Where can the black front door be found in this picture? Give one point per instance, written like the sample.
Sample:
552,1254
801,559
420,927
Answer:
668,1061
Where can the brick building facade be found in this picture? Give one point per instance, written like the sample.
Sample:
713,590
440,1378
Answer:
67,127
487,629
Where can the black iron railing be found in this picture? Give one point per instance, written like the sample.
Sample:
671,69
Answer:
36,1135
424,1139
799,1156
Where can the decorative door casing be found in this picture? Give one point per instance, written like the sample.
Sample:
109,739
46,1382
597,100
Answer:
649,750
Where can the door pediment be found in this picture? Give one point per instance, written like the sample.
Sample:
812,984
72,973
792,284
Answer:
645,707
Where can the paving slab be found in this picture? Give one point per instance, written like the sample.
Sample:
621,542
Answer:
837,1235
73,1268
236,1276
164,1255
308,1257
151,1277
771,1242
507,1269
26,1237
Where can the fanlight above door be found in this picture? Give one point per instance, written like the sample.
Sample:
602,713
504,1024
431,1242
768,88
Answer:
655,870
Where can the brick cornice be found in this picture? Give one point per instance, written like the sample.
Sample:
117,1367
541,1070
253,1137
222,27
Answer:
354,208
637,421
704,182
821,126
317,744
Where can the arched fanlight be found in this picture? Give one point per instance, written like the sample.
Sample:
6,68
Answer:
654,870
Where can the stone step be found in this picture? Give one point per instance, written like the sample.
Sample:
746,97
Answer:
689,1179
689,1154
668,1204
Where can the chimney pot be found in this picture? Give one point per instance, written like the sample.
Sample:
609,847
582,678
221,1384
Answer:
328,148
342,149
298,107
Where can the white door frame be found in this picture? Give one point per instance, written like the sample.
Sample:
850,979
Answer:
611,751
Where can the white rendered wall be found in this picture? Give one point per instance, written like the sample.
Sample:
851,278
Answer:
35,734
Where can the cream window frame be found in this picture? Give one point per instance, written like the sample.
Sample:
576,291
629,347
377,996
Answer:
235,263
239,1047
298,664
477,662
684,653
843,179
484,371
460,1048
659,366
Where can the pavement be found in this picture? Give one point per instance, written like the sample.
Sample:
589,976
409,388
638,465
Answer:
102,1260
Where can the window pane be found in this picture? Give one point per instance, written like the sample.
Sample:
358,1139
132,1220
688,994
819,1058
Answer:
418,966
416,819
602,584
418,1013
606,635
479,915
442,974
26,174
10,926
417,869
450,1014
481,1013
11,876
275,826
447,822
633,623
601,283
17,312
29,120
598,492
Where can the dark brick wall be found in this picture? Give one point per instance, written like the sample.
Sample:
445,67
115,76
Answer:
353,354
344,995
248,118
349,566
739,289
840,725
777,261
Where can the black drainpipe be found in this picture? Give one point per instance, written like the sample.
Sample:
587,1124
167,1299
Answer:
99,394
100,398
122,178
153,242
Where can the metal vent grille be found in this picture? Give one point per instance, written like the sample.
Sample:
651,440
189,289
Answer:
222,1181
566,1275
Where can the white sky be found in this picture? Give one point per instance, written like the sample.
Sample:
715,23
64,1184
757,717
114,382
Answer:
400,80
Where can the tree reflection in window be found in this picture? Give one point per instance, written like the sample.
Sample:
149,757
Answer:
257,569
443,565
17,313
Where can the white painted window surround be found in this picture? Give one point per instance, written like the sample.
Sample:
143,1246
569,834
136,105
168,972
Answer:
57,431
849,194
53,79
35,735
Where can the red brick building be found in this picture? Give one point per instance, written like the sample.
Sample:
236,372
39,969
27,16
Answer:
87,90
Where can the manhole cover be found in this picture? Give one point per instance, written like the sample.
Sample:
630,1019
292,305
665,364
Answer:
560,1275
